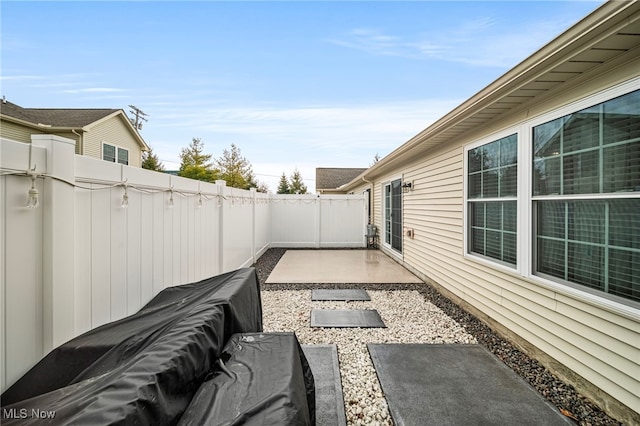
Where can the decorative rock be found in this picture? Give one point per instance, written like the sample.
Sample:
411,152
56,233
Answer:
413,313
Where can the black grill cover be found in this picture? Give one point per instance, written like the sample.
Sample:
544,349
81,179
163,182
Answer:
261,379
143,369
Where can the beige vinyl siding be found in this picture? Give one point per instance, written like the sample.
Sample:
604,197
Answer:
113,132
360,189
599,343
376,205
378,208
71,136
434,203
16,132
20,133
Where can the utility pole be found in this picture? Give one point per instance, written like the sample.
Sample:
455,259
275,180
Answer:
140,116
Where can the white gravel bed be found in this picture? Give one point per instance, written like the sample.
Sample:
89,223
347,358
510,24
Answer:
409,319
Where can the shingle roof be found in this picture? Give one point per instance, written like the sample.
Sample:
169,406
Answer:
334,177
55,117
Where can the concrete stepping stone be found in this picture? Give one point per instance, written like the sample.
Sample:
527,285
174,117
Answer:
340,294
346,318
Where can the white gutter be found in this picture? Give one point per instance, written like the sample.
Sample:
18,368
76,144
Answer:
80,141
370,198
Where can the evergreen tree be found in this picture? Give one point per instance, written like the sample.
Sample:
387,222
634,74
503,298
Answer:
262,187
236,169
283,186
252,182
150,161
296,185
194,164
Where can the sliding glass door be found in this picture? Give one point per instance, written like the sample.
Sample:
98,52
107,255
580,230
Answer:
393,215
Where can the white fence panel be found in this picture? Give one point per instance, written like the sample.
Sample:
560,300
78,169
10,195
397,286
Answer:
100,255
167,235
82,259
262,218
22,286
83,270
159,216
318,220
294,220
21,261
238,228
343,220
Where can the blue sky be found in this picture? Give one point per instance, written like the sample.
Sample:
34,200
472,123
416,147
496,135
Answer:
295,84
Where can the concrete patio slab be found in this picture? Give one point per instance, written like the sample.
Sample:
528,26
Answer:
323,360
339,266
340,294
456,385
346,318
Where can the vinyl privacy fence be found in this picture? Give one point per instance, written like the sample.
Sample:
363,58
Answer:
106,238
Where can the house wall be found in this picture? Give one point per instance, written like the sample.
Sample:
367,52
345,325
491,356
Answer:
359,190
588,340
20,133
378,208
114,132
374,201
16,132
71,136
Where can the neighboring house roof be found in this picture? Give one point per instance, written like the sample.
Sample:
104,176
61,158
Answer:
65,118
606,36
56,117
328,178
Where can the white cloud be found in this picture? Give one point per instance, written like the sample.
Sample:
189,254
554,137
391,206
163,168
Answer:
376,42
477,42
340,129
20,77
278,139
94,90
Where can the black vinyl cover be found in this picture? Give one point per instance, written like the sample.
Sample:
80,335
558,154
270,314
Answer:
261,379
143,369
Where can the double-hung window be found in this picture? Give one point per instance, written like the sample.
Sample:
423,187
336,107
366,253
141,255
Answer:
586,197
115,154
492,185
582,173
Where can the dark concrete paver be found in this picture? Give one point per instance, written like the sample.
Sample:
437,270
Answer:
346,318
340,294
456,385
323,360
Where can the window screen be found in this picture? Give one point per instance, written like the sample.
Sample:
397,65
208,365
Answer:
492,183
593,241
109,152
123,156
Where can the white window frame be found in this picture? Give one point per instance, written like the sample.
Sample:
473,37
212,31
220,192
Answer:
576,290
118,149
485,260
525,203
